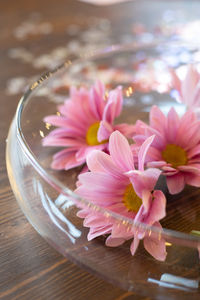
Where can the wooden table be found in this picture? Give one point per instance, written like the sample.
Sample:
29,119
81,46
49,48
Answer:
30,34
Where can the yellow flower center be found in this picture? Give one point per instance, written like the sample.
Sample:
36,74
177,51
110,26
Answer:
91,135
131,199
174,155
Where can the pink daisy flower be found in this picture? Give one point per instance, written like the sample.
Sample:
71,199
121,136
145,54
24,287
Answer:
188,88
175,149
84,124
116,185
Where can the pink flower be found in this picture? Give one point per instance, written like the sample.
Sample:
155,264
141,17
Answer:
189,88
115,184
84,124
175,149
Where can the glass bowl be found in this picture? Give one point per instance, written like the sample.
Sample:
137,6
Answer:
46,195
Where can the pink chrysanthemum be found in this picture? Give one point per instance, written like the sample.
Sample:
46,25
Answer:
188,88
175,149
116,185
85,123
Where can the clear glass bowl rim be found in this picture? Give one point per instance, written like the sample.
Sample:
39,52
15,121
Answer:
171,235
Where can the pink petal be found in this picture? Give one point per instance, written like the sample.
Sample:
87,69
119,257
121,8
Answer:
69,132
172,125
100,189
95,232
76,94
189,136
189,116
170,173
56,120
140,214
154,155
139,139
194,151
189,84
83,213
183,135
82,124
157,210
118,101
157,119
126,129
101,182
74,111
96,100
93,162
114,242
195,136
156,164
113,106
146,201
196,97
168,168
61,142
104,132
99,161
143,151
84,151
65,159
190,169
176,83
140,127
98,197
77,109
83,104
143,180
156,247
120,231
120,151
143,131
99,86
195,162
192,179
95,220
159,141
121,209
175,183
134,245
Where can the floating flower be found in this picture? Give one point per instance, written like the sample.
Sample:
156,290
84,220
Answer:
85,122
115,184
175,149
188,88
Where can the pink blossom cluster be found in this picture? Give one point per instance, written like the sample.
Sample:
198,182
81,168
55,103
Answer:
124,161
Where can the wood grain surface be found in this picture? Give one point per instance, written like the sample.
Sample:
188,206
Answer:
29,267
